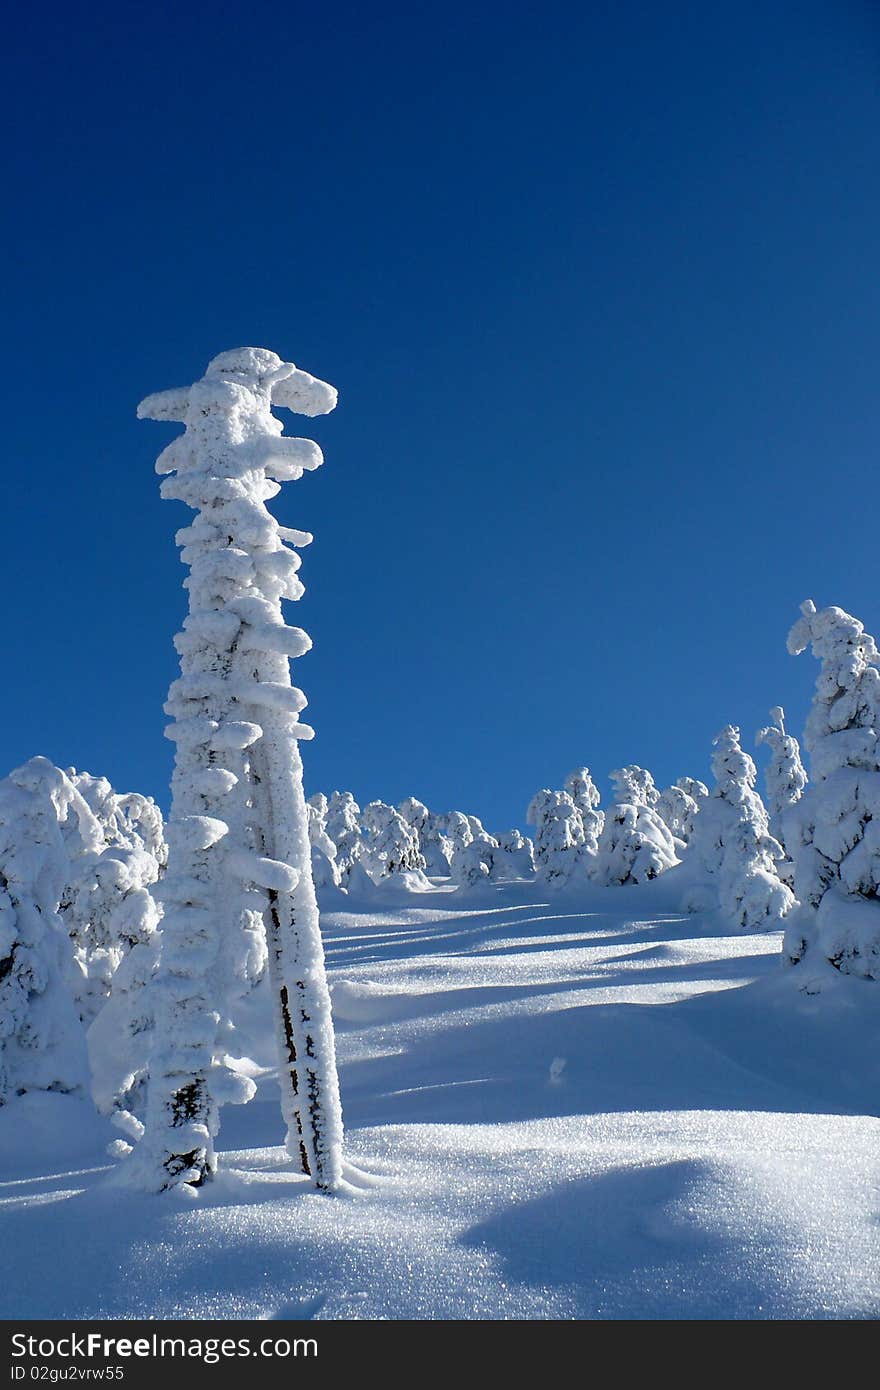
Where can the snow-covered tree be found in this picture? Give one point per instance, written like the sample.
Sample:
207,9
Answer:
635,844
342,825
390,845
786,779
429,830
518,855
473,863
454,832
561,852
42,1044
489,860
325,873
108,906
733,841
837,854
678,806
238,833
585,795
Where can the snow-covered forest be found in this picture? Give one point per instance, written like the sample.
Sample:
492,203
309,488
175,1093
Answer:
661,999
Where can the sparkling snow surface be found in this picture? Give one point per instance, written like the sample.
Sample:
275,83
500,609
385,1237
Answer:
556,1107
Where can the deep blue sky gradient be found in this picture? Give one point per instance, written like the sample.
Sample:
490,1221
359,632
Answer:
598,285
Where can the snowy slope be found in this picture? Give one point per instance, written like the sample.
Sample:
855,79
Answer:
566,1106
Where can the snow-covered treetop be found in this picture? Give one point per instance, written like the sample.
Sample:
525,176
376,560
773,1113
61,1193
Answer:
732,766
634,786
255,369
582,789
128,819
841,728
692,786
786,777
416,814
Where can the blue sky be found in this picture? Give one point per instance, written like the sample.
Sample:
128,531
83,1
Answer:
598,285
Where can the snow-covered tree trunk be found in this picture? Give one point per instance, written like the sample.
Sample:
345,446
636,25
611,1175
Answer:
238,832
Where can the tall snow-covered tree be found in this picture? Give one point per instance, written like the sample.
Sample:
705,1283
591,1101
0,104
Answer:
42,1043
837,854
238,833
785,777
585,795
733,841
635,844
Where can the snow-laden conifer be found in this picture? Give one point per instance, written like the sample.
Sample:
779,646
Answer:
678,806
108,906
342,825
562,854
238,833
390,847
487,859
454,833
42,1043
325,872
837,856
733,841
635,844
585,795
785,779
473,863
429,830
517,855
